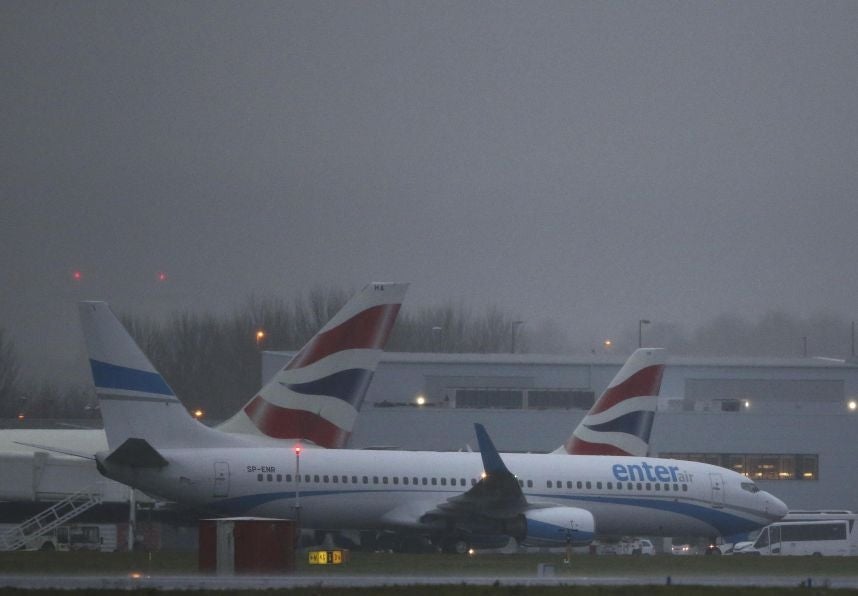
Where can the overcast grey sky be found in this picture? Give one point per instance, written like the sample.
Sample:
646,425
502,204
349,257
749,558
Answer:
591,163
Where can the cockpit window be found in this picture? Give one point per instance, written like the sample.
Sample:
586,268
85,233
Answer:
750,487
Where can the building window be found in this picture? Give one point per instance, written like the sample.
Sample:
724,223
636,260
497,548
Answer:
560,399
490,397
759,466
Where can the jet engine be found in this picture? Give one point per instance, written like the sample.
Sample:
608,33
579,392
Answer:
554,526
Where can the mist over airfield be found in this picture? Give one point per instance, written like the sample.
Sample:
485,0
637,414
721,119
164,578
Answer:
580,165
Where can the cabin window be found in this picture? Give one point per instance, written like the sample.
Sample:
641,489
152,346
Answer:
530,484
345,479
648,486
288,477
270,477
619,486
414,480
548,484
473,481
521,483
325,479
354,480
589,485
384,479
610,486
306,478
315,477
568,484
405,480
443,482
685,488
259,477
640,486
425,481
657,486
580,484
336,480
599,485
434,481
462,482
396,480
375,479
365,479
279,477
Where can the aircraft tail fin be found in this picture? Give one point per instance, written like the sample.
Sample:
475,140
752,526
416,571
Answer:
135,400
620,422
317,396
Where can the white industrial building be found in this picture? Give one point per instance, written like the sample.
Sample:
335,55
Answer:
786,423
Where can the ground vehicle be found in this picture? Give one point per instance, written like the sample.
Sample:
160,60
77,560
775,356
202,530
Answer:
626,546
832,537
100,537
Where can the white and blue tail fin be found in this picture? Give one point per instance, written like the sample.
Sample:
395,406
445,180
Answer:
620,422
317,396
136,401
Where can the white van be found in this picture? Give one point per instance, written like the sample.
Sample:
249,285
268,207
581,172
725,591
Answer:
830,537
70,537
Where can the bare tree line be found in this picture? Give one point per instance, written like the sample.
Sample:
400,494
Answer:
213,361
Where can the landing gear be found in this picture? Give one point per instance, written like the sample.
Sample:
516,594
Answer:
456,545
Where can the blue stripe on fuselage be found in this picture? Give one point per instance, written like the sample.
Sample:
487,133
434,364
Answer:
725,523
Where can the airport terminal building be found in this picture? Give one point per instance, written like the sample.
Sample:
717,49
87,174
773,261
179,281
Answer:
786,423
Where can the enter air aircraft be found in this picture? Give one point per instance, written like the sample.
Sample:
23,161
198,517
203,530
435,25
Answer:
458,499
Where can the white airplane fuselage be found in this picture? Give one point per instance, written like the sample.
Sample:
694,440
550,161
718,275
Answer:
353,489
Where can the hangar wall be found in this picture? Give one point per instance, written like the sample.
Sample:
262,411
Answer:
763,414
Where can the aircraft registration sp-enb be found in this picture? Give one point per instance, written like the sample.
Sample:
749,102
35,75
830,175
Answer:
455,498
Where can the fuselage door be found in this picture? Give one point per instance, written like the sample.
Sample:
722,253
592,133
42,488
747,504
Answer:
716,482
221,479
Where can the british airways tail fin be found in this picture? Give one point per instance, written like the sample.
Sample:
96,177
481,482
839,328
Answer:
136,401
620,422
317,396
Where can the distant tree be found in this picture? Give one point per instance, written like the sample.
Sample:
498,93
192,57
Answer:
9,375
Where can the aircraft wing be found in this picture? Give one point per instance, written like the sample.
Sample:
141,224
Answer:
497,495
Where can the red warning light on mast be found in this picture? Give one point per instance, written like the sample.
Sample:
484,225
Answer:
77,275
162,276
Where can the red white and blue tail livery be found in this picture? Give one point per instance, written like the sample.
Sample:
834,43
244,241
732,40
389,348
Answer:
317,396
620,421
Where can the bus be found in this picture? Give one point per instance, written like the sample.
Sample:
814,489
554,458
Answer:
824,537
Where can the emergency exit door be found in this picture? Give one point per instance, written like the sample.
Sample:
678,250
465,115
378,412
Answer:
221,479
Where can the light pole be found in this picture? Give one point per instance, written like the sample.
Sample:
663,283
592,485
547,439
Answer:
515,325
298,493
436,337
641,323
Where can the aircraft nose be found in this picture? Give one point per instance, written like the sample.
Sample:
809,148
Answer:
775,507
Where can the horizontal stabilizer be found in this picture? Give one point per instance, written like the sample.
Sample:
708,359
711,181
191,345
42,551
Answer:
137,453
56,450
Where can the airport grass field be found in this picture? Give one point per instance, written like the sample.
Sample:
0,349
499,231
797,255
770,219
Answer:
502,567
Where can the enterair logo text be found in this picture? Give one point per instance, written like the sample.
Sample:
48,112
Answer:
648,472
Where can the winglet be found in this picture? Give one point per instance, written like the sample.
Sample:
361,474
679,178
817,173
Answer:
492,462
